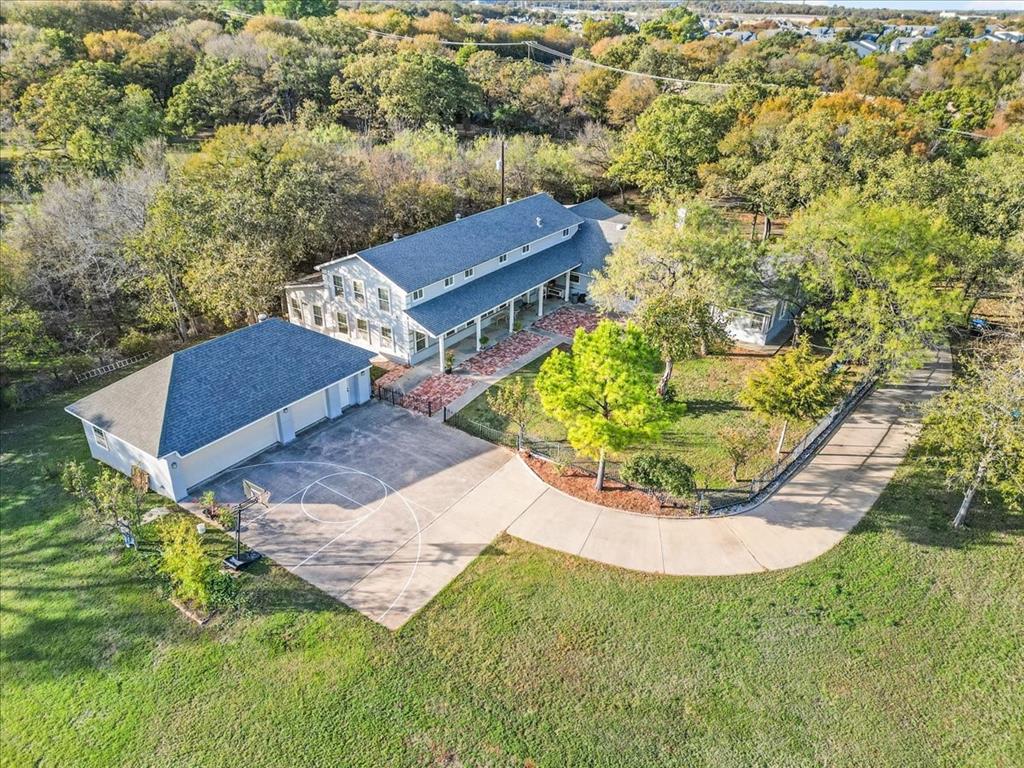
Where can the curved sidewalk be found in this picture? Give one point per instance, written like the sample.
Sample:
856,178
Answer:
806,517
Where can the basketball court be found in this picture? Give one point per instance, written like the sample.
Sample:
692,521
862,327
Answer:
379,509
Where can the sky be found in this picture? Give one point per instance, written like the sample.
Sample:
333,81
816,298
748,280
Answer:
924,5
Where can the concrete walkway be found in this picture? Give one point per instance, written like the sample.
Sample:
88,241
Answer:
805,518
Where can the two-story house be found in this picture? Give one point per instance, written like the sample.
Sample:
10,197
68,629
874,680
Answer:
417,296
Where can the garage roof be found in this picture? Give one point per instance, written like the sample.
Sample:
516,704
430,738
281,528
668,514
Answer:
202,393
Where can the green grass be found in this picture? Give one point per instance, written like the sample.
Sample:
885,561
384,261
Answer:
706,393
900,647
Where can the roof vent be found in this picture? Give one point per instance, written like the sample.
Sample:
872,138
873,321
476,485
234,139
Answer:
458,216
261,317
508,200
540,222
395,236
620,227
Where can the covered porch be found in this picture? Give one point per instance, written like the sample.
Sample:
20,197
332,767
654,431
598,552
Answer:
460,323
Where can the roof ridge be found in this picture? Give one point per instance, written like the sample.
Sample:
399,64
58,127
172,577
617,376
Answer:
457,221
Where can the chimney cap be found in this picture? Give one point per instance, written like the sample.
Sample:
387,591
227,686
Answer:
395,236
458,216
508,200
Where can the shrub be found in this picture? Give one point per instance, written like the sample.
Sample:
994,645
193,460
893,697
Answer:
134,343
222,588
660,473
184,561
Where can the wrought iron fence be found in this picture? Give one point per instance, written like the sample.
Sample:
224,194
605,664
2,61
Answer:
710,500
427,405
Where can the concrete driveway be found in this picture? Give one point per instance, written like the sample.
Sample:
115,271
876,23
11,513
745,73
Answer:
381,508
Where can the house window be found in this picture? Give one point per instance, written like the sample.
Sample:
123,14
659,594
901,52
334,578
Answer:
293,303
503,258
384,299
100,437
419,341
565,233
468,272
339,285
526,248
357,291
574,278
318,315
362,328
449,281
386,337
342,318
416,295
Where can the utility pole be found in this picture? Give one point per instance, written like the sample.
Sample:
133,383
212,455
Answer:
501,167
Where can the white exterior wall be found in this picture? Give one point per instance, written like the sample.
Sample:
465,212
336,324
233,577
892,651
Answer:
309,410
354,268
122,456
221,454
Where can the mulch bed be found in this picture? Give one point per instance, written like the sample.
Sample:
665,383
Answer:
504,353
581,485
395,372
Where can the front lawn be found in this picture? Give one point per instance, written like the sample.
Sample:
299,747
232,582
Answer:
900,647
706,391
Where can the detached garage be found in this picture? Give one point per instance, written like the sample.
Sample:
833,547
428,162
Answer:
191,415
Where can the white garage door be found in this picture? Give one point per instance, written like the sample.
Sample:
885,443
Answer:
309,410
210,460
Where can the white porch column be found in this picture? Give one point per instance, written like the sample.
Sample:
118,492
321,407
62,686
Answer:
478,333
568,283
540,300
511,315
440,350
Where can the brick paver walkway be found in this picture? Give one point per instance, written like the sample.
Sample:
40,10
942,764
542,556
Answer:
565,320
431,394
504,353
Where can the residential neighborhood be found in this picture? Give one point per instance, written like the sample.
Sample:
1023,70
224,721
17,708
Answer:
608,383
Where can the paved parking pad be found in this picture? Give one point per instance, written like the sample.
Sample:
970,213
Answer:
379,509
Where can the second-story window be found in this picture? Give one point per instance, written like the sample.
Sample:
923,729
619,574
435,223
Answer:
358,292
339,285
100,437
342,319
384,299
293,304
416,295
449,281
503,258
468,272
526,248
318,315
362,328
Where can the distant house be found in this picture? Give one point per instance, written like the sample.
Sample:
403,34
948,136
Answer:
863,47
199,411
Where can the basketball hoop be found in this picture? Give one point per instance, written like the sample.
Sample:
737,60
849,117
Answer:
254,493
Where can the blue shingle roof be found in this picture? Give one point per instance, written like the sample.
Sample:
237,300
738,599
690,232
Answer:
476,297
205,392
426,257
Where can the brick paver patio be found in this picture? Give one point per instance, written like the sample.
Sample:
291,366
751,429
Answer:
565,320
504,353
439,390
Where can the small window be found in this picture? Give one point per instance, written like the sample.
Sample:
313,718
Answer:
386,338
293,303
565,233
468,273
339,285
318,315
574,278
503,258
100,437
342,319
416,295
384,299
526,248
449,281
358,292
419,340
362,328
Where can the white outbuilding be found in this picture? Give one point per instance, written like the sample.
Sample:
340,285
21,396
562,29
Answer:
199,411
